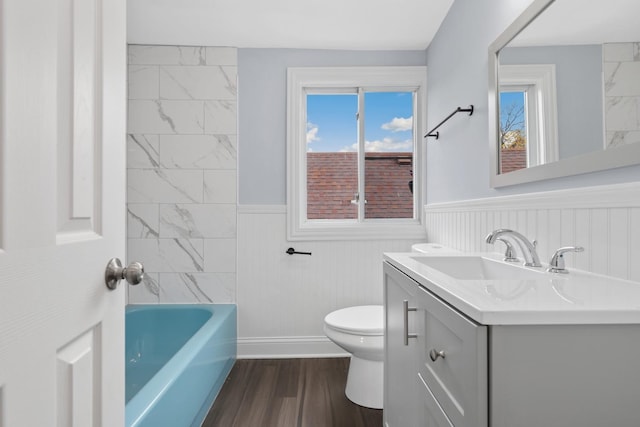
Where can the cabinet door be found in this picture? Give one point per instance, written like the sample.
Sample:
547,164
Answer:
432,413
458,375
401,401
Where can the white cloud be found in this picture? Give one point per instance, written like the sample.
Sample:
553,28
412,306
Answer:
387,144
312,133
352,147
399,124
384,145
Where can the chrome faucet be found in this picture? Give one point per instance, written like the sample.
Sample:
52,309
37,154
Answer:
556,265
527,248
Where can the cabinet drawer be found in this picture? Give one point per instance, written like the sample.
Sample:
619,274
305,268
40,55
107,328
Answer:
459,379
432,413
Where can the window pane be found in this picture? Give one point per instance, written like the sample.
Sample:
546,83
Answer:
513,131
388,154
332,159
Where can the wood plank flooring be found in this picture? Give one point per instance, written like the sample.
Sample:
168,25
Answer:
289,393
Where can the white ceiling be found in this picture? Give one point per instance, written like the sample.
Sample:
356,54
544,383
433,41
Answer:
309,24
567,22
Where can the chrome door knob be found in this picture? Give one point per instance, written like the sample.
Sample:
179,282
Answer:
434,354
133,273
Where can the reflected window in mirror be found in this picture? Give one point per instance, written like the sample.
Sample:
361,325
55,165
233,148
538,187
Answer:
528,123
513,128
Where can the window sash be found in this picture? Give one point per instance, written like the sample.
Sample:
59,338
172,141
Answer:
303,81
361,193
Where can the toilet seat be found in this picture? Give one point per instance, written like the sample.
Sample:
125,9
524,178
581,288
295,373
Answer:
360,320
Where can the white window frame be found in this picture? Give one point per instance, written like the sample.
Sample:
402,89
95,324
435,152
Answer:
542,118
300,81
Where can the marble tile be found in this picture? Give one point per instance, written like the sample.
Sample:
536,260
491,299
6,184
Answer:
220,255
621,113
197,220
222,56
146,292
182,148
143,82
220,287
166,55
211,82
615,52
165,117
622,78
164,186
220,117
143,151
168,255
197,288
143,220
623,137
609,70
198,151
220,186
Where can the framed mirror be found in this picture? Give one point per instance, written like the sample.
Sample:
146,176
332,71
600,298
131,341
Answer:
564,91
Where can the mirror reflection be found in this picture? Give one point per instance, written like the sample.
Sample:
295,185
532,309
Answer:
569,84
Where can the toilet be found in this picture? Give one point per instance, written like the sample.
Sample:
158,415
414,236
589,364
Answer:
360,331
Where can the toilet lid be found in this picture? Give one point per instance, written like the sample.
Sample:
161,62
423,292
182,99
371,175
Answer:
365,320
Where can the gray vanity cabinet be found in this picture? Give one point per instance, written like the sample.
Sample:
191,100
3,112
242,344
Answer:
518,375
436,360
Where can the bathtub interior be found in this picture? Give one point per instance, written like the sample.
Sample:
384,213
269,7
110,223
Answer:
191,353
153,337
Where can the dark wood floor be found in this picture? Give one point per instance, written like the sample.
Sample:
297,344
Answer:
289,393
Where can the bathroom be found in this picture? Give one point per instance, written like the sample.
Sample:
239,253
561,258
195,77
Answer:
242,259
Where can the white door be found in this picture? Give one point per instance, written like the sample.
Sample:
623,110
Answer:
62,211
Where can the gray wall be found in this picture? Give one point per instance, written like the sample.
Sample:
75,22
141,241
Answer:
262,91
458,163
579,92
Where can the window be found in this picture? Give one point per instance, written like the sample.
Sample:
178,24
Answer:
355,152
528,130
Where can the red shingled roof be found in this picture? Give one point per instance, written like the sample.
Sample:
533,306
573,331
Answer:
512,159
332,181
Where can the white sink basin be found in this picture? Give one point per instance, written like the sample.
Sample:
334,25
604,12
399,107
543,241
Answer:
493,292
478,268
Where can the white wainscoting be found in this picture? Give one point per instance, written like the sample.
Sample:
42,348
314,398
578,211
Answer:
604,219
282,299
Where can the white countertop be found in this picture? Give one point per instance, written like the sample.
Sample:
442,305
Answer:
575,298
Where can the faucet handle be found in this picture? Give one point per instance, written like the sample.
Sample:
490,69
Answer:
556,265
509,253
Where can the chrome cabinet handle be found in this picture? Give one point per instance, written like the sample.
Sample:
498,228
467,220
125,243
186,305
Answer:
406,310
133,273
434,354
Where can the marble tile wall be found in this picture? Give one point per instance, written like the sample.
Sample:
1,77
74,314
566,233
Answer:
181,165
622,93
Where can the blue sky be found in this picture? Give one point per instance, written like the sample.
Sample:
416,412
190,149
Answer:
510,100
332,125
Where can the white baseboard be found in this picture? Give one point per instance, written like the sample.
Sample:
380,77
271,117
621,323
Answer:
288,348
